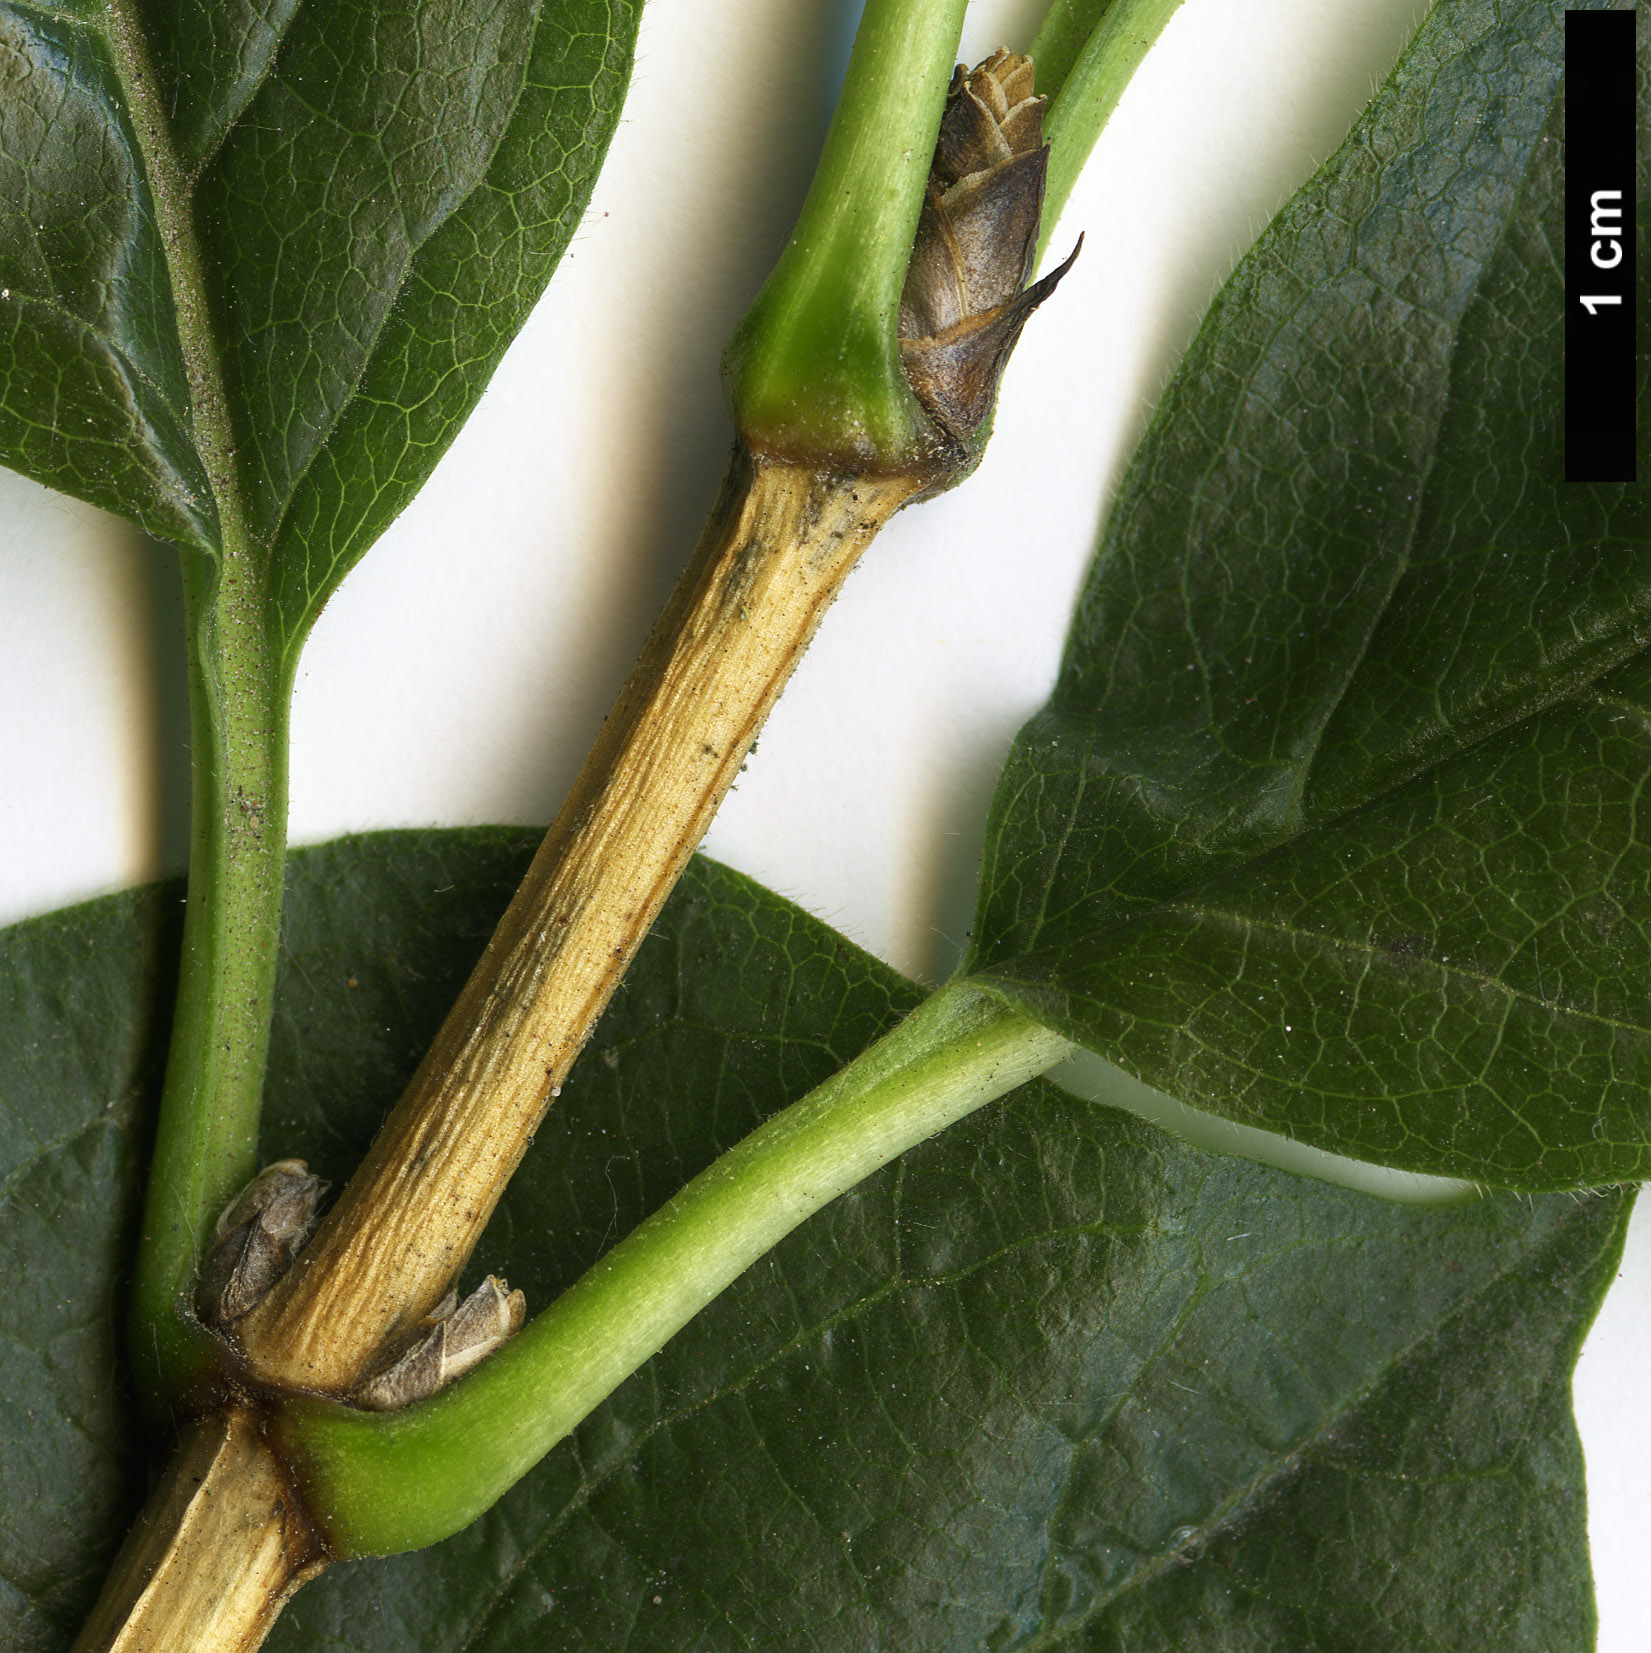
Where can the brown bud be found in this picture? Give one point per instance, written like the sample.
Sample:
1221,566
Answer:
966,299
256,1239
459,1336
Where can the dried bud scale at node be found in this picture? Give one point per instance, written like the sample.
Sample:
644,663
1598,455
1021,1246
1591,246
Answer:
256,1239
460,1335
966,299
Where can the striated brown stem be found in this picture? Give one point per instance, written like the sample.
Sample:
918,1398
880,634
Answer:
225,1540
779,543
216,1553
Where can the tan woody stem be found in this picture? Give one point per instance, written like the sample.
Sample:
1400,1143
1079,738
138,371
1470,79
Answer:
780,541
836,438
216,1553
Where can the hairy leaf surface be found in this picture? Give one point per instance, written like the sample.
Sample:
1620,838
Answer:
1054,1381
1333,821
258,260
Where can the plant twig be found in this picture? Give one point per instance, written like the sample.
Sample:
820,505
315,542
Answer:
780,542
797,509
218,1550
834,439
377,1483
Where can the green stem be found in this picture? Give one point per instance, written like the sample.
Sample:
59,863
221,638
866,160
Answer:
207,1136
239,691
1065,31
813,371
1087,81
379,1483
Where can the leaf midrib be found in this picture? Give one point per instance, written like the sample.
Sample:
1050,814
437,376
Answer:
1185,899
1297,820
171,191
1323,941
1283,1462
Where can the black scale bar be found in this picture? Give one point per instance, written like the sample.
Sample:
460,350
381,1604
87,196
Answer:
1599,246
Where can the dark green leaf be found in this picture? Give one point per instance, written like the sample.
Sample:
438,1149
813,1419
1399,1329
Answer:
94,394
1332,823
83,1015
259,260
1054,1381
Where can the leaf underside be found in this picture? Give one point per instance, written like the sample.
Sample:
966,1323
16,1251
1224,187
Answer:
1053,1381
374,196
1332,824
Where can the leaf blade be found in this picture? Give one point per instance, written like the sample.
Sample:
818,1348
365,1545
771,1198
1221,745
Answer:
94,396
1049,1297
362,205
478,277
1344,555
80,1056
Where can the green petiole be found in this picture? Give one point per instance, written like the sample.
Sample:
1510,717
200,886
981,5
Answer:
206,1140
1085,53
813,371
384,1482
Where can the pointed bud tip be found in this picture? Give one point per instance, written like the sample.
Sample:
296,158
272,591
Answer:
966,298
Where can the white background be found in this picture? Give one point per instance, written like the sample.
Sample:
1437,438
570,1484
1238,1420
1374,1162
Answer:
464,667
